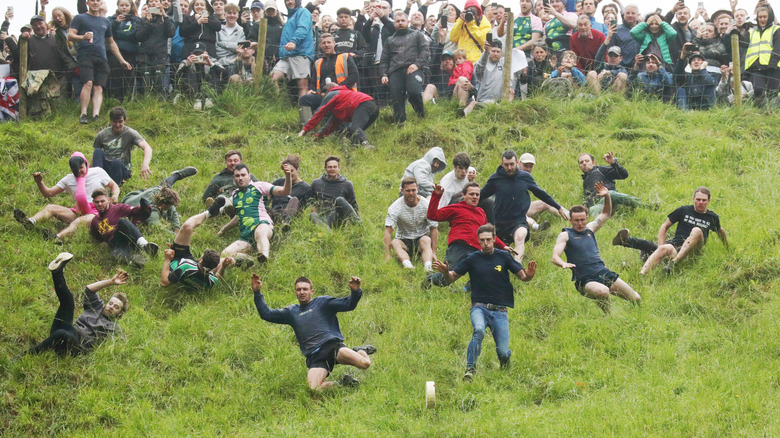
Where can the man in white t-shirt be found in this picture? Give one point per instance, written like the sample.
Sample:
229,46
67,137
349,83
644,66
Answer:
454,181
84,211
414,232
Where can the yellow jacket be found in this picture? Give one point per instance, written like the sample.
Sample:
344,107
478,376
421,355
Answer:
461,36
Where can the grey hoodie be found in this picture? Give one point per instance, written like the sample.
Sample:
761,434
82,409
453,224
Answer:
422,170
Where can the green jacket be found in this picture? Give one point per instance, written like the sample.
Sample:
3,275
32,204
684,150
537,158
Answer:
644,37
170,215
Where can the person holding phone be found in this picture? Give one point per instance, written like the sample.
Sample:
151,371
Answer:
155,31
228,40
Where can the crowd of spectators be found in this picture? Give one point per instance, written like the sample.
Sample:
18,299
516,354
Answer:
392,54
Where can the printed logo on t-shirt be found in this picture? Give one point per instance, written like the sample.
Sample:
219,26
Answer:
104,227
697,222
498,268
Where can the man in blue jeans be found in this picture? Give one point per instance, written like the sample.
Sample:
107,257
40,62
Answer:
491,294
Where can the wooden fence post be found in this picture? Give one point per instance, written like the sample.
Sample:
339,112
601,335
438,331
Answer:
260,53
23,44
506,94
737,70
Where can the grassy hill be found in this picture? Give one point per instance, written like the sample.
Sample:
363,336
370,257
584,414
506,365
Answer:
699,358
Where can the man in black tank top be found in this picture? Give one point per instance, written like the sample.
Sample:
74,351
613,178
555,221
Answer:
592,278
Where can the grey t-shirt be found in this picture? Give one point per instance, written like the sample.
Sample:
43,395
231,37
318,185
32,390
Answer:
118,146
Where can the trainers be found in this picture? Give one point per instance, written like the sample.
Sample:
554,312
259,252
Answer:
137,260
369,349
83,119
285,227
23,219
187,171
262,258
367,145
198,105
59,263
209,201
176,98
544,225
469,374
217,205
461,113
504,364
208,104
620,237
244,263
96,118
229,210
151,248
349,381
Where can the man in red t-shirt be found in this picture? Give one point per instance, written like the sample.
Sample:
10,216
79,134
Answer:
585,43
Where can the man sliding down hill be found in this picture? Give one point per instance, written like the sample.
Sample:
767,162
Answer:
317,330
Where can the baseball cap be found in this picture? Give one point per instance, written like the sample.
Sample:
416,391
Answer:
446,53
199,48
696,55
36,18
615,50
271,4
527,158
257,5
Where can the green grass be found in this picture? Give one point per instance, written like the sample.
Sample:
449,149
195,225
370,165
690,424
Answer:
699,358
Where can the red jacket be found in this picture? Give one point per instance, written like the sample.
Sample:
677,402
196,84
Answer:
340,103
466,70
464,221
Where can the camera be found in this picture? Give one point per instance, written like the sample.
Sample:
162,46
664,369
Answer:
469,16
200,59
693,48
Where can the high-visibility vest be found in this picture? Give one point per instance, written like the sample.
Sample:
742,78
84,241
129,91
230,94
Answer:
760,47
342,69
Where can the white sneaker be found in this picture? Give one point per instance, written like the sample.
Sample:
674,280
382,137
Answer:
62,259
176,98
198,105
208,104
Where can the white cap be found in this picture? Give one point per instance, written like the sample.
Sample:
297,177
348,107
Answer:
527,158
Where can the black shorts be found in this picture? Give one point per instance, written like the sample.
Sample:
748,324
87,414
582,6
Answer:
676,243
412,245
325,356
605,277
93,68
507,233
182,252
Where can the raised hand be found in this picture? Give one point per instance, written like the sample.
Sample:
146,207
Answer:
600,189
256,282
354,284
121,277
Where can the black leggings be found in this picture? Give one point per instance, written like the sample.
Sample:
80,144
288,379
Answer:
364,116
63,337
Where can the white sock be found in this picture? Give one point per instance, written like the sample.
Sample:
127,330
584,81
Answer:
141,242
428,266
208,215
32,220
407,264
535,226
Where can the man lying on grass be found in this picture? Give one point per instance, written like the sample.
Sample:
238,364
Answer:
97,322
317,329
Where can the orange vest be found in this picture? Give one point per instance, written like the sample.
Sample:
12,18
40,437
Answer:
342,70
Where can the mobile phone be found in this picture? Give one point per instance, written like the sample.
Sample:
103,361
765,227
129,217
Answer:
244,44
154,11
701,5
443,21
613,22
490,38
205,13
546,3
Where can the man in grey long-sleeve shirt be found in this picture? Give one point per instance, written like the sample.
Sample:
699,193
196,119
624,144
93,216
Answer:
489,70
317,329
592,174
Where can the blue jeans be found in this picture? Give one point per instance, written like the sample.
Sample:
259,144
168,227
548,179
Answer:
114,168
499,326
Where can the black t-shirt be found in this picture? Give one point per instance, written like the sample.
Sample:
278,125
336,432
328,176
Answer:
686,218
489,275
300,190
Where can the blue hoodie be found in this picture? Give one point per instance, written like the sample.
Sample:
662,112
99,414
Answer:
298,30
512,199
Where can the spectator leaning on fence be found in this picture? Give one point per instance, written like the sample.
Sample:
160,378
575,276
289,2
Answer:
296,47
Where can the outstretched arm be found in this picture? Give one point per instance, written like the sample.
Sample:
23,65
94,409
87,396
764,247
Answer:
121,277
528,273
346,304
606,213
284,191
560,245
662,232
722,235
228,226
146,172
45,191
223,264
444,268
278,316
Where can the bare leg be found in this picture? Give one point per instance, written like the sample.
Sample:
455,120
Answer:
593,82
430,93
621,289
664,251
184,236
276,76
358,359
237,249
461,91
537,207
520,234
400,250
693,242
316,378
62,213
470,107
97,99
85,96
263,234
303,86
85,220
426,249
620,82
600,293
